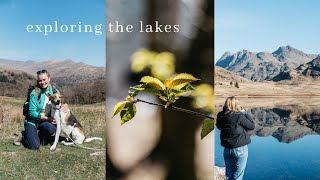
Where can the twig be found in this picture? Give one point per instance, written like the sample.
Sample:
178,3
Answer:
177,108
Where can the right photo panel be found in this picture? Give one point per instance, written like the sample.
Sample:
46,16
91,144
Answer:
266,82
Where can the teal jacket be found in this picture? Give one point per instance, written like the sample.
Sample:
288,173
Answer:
36,104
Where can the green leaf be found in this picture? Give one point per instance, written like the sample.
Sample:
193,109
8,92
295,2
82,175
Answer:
163,98
153,82
181,79
207,127
185,88
152,91
118,107
128,112
134,91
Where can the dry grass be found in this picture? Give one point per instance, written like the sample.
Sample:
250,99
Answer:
268,89
67,162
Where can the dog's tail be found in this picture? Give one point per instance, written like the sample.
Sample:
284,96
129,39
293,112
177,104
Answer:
92,138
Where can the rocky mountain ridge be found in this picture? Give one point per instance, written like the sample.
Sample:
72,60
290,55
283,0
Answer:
307,71
264,65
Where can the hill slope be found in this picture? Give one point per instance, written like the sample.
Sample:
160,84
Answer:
62,72
14,82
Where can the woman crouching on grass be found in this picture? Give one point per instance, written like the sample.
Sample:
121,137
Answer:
39,126
234,124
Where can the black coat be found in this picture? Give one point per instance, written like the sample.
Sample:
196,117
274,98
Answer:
234,127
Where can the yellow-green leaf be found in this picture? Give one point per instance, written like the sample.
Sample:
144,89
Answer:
181,79
141,60
180,86
146,79
167,57
203,90
152,91
207,127
163,65
153,82
167,82
118,107
128,112
186,88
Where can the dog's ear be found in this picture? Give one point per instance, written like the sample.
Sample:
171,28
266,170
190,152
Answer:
51,98
61,98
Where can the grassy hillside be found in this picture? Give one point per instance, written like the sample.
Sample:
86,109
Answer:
225,82
67,162
15,83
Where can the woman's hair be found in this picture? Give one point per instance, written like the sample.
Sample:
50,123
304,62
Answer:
232,104
43,71
38,88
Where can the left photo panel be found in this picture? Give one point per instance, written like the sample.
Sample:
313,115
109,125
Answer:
52,89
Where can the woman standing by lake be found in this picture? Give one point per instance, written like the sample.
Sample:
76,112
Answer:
234,124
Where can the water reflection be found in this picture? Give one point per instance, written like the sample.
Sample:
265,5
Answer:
294,122
282,125
286,119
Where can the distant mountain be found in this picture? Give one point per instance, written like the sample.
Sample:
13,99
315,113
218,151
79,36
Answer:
263,65
303,72
292,55
64,72
14,82
78,82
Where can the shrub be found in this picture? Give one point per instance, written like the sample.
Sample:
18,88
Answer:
236,85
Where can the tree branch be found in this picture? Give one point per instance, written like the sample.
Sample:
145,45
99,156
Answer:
177,108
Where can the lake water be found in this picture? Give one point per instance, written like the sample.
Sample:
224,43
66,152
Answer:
285,142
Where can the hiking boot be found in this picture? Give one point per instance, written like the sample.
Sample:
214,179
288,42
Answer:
17,139
44,140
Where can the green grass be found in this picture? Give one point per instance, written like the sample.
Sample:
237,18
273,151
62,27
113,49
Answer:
66,162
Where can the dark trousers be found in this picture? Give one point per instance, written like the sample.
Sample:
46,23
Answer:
32,138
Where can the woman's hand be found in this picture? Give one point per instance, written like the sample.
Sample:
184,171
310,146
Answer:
52,120
242,109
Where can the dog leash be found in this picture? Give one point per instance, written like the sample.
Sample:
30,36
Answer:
85,146
94,149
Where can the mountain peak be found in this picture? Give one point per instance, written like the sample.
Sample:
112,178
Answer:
285,53
243,54
286,48
68,60
243,51
226,54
